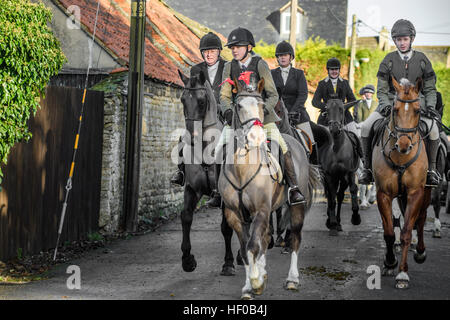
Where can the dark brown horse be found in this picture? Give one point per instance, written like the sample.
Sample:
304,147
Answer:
400,167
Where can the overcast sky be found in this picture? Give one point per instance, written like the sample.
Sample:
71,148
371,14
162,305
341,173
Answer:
426,15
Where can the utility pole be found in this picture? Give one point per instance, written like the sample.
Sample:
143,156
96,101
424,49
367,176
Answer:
134,115
293,33
351,71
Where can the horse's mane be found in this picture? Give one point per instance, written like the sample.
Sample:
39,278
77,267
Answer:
406,84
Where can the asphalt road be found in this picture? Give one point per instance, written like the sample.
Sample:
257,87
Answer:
149,266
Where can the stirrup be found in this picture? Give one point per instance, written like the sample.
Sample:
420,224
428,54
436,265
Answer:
289,196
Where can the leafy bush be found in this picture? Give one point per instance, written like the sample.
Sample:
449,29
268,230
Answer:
29,56
443,86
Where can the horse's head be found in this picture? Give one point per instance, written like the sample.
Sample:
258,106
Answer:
195,102
335,113
405,115
249,108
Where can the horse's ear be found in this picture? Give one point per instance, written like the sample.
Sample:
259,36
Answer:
183,77
419,84
396,85
261,85
351,104
237,86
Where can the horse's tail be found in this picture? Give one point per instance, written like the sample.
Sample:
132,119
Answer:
314,183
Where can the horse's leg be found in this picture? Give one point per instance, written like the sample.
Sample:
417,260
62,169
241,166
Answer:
297,218
362,196
227,232
384,203
436,201
356,218
331,187
397,229
340,199
372,194
420,254
235,223
256,250
190,201
279,241
414,207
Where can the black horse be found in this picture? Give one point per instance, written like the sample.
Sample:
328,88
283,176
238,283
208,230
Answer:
200,112
339,160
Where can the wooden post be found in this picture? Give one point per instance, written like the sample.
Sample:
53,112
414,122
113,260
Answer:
293,33
134,115
351,71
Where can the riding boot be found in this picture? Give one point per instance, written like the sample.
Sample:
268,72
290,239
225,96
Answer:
366,174
432,175
295,196
216,199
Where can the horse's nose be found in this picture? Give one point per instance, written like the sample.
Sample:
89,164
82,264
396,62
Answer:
396,146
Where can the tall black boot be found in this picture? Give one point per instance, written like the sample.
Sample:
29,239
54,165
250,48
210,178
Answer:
216,199
432,175
366,175
314,157
295,196
178,177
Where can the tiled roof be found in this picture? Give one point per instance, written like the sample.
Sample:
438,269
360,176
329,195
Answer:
170,44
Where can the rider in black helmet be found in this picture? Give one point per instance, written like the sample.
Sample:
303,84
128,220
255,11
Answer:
241,43
293,89
212,67
334,85
410,64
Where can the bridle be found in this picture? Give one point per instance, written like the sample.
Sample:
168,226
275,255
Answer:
207,106
246,125
399,132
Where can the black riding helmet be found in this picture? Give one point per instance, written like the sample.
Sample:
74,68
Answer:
240,37
284,48
210,41
333,63
403,28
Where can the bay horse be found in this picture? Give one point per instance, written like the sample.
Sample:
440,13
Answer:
400,165
200,112
339,161
251,186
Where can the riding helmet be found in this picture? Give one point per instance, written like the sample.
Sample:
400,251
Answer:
284,48
240,37
333,63
403,28
210,41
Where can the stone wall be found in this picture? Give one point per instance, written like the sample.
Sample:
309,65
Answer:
162,115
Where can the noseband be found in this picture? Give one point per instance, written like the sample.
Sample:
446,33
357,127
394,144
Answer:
404,131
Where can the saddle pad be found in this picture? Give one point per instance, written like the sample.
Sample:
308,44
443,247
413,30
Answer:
378,129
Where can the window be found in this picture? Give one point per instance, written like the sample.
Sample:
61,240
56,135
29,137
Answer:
285,27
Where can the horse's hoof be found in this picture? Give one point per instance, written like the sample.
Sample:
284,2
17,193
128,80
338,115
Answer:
402,284
292,286
420,257
333,232
239,260
247,296
436,234
279,242
397,247
258,287
189,264
388,272
356,219
327,223
228,271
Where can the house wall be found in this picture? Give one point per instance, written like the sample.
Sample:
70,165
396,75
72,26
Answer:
162,115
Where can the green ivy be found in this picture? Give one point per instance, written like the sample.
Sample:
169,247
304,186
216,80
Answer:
29,56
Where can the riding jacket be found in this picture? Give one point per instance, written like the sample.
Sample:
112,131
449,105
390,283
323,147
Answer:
294,92
324,92
418,66
232,70
203,67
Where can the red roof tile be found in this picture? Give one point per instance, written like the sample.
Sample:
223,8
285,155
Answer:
173,45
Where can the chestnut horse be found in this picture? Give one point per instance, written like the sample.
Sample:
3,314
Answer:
400,167
251,186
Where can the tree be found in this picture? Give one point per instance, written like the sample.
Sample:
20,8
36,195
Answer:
29,56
